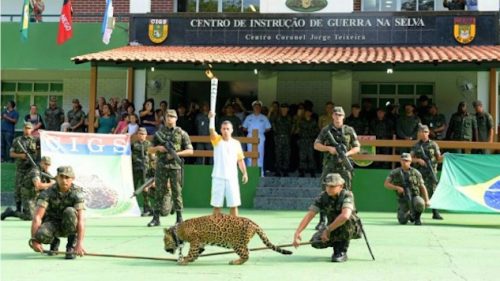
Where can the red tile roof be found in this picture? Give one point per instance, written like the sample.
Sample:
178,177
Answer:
296,55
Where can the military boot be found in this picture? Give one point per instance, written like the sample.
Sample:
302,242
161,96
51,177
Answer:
436,215
146,212
156,219
417,218
9,212
339,252
321,223
18,207
179,217
54,246
70,247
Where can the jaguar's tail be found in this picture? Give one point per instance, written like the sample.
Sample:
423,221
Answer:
268,243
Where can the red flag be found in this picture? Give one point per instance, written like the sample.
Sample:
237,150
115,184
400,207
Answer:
65,23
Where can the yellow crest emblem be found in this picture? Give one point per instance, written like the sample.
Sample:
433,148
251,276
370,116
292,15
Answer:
158,30
464,29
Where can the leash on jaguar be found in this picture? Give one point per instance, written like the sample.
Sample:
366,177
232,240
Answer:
167,259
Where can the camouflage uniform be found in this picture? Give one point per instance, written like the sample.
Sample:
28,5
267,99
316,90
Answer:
345,135
282,126
23,167
29,193
307,131
54,117
60,218
462,127
141,167
407,127
359,124
484,125
415,180
167,170
431,149
332,207
74,117
435,121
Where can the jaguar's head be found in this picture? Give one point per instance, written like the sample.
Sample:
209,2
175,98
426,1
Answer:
169,243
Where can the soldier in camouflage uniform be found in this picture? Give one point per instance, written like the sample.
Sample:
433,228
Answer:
358,123
23,165
425,148
307,130
60,212
396,180
407,125
167,169
343,134
485,127
282,126
54,116
32,185
463,126
436,123
141,167
343,223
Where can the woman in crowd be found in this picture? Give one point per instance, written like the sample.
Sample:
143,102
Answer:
106,123
148,116
35,119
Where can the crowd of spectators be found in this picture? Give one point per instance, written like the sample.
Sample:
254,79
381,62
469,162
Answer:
284,130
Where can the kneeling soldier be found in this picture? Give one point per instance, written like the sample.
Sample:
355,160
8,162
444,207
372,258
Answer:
60,213
409,185
343,224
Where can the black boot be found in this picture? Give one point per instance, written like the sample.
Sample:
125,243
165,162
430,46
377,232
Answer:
70,247
156,219
9,212
179,217
146,213
18,207
339,251
54,246
417,218
436,215
321,223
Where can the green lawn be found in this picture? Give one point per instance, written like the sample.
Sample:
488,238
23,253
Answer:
462,247
8,172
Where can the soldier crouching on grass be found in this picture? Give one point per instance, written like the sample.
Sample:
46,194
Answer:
60,213
343,224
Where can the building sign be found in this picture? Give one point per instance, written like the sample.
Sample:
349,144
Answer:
316,29
306,6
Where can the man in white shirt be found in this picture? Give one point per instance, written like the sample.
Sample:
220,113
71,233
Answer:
227,156
259,122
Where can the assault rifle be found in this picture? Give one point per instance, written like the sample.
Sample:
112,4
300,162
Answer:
341,152
407,195
30,159
366,239
428,164
171,151
148,183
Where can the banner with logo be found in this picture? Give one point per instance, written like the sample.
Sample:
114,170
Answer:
469,182
366,149
102,165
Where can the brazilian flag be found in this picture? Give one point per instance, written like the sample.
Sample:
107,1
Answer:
470,183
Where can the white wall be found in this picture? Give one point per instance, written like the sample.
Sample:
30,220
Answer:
333,6
140,6
488,5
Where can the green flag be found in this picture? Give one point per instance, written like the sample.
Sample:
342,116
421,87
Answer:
470,183
25,20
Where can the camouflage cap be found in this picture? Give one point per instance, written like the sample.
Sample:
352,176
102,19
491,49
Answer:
28,125
76,101
334,179
406,156
423,128
66,171
172,113
477,103
142,131
46,159
338,110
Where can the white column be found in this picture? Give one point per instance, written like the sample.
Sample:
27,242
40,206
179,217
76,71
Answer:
139,88
483,89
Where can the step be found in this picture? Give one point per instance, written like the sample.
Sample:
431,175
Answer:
282,203
292,192
289,181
